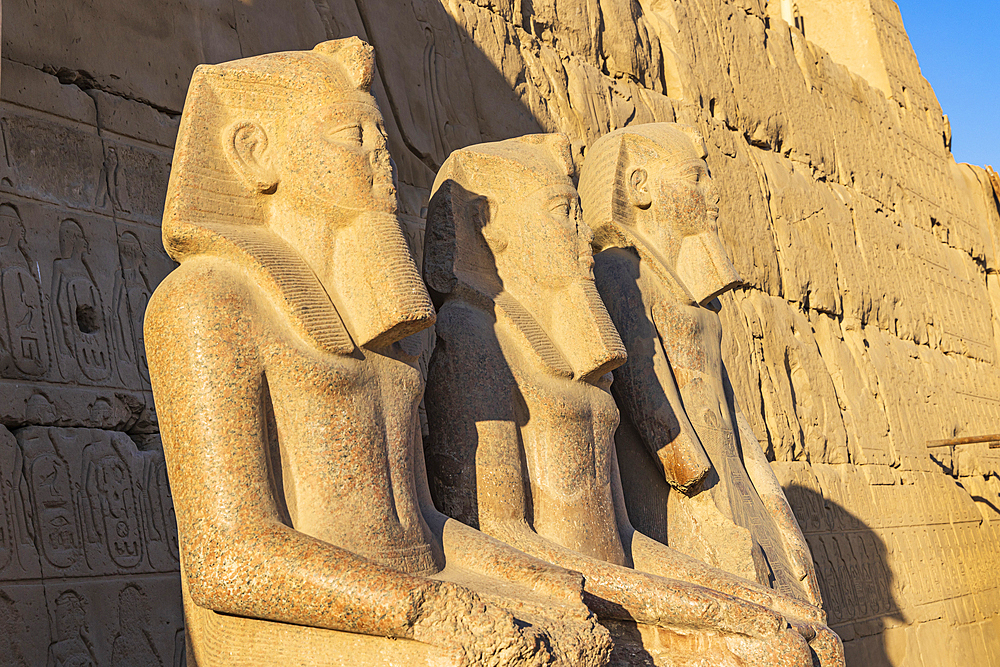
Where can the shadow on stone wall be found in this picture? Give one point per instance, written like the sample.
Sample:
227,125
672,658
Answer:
852,564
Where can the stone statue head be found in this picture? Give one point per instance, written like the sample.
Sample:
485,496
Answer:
649,185
293,144
505,220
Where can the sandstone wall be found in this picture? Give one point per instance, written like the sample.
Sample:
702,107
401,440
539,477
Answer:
866,328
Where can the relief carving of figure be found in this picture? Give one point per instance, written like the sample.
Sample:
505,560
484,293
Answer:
161,523
72,646
12,629
288,410
17,539
520,414
133,643
694,475
132,290
78,310
22,297
113,184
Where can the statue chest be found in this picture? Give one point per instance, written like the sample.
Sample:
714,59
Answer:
567,428
567,432
343,432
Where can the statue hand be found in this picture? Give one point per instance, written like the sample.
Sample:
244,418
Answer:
480,635
796,609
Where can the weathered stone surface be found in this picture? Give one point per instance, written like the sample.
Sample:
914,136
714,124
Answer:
904,351
283,323
522,422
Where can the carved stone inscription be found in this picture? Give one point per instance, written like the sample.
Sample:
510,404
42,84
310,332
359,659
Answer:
87,537
79,255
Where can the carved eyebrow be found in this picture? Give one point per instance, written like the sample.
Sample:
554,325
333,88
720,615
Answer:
357,110
558,190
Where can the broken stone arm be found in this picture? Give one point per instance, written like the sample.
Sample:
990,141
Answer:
644,387
773,497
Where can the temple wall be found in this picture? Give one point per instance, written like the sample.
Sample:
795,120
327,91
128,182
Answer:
867,326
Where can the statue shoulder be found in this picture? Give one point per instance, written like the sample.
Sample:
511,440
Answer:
459,321
200,292
466,338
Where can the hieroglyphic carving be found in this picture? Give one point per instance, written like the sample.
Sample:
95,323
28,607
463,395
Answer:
52,498
24,333
78,309
132,290
111,512
160,521
133,643
72,645
94,498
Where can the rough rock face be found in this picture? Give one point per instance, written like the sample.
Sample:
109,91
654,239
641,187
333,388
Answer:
865,329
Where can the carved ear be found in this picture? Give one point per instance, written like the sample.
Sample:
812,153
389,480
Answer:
245,145
637,188
482,212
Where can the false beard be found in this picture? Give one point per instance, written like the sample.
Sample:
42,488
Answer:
384,300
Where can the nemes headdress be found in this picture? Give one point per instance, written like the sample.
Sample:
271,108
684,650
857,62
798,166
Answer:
471,184
602,179
210,209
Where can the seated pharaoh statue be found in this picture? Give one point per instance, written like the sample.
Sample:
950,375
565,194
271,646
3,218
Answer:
289,411
522,422
694,475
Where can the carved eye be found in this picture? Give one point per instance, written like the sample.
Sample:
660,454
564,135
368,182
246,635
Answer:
560,208
347,134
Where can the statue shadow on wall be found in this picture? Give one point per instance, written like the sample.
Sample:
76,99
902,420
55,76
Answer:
855,578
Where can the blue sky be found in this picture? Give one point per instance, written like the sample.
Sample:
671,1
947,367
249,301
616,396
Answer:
958,46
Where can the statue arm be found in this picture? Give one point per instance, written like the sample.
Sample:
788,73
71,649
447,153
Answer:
617,592
658,559
644,387
612,591
773,497
238,556
467,547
